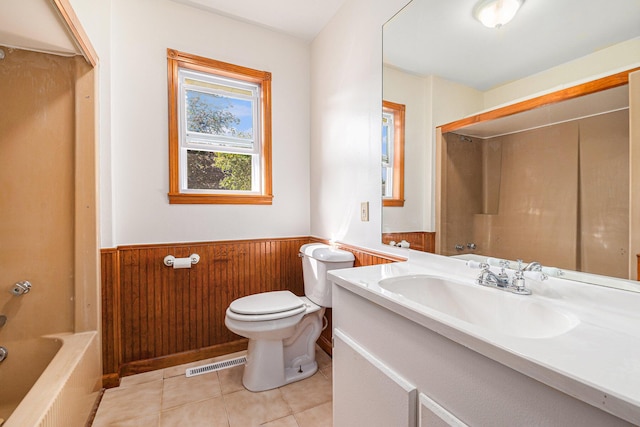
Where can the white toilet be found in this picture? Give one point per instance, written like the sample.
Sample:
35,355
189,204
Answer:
283,328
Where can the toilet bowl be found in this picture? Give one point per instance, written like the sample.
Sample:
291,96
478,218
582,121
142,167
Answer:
282,328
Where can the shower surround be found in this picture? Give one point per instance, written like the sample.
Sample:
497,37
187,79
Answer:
558,194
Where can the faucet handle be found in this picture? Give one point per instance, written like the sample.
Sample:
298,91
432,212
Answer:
21,288
503,264
476,264
540,276
518,283
552,271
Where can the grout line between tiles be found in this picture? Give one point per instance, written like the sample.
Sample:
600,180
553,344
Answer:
325,372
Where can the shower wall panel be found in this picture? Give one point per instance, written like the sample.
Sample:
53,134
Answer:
604,194
37,149
462,192
558,195
538,202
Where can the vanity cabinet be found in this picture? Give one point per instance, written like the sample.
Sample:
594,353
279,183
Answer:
384,397
392,369
368,384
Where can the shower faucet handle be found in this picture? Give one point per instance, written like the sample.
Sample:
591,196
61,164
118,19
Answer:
21,288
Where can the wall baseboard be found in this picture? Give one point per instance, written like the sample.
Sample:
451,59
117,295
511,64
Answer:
110,380
146,365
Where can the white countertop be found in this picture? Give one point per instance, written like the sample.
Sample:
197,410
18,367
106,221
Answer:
598,361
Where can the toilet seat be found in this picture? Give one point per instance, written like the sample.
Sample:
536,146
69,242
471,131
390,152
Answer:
266,306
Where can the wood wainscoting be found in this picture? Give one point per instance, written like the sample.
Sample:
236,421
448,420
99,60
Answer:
154,316
424,241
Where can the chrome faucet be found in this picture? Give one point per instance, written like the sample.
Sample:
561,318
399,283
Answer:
532,266
489,278
501,281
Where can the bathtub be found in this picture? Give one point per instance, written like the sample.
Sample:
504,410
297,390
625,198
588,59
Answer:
50,381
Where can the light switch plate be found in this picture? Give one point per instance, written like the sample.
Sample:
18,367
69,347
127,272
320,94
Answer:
364,211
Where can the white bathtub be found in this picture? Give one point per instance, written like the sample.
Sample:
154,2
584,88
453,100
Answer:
65,392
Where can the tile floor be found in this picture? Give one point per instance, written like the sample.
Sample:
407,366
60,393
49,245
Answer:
167,398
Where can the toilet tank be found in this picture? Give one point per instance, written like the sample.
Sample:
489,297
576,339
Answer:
317,259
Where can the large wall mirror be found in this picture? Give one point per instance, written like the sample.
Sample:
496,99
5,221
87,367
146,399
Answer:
551,182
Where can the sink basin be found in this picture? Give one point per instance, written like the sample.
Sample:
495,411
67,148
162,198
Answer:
493,309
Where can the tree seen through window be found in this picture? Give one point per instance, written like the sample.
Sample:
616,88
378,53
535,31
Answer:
216,170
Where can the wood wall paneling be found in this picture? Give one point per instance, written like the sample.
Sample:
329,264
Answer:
424,241
110,312
154,316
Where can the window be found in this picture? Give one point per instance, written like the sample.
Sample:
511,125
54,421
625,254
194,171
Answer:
392,154
219,132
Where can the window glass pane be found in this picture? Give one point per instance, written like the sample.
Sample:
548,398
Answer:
387,138
220,87
387,155
385,145
209,170
385,182
219,115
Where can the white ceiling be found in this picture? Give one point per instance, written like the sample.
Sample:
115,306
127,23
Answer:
300,18
441,37
437,37
34,25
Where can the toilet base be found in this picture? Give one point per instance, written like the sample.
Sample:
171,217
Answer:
300,373
277,362
259,373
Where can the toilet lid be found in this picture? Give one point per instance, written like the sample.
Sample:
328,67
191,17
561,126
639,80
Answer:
266,303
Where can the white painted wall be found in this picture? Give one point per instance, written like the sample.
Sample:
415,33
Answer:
414,92
96,21
430,101
141,32
346,99
345,108
326,120
619,57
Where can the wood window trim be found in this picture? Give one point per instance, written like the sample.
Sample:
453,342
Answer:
177,60
398,111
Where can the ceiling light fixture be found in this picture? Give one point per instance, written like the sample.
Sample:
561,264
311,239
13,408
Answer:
496,13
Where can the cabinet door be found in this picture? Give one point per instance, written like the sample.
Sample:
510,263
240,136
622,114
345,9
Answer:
366,392
434,415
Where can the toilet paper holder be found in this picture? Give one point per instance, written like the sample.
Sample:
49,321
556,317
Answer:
169,260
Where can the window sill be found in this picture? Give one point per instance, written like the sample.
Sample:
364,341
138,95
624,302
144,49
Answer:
393,202
219,199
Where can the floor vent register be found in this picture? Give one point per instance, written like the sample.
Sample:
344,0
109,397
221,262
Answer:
211,367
